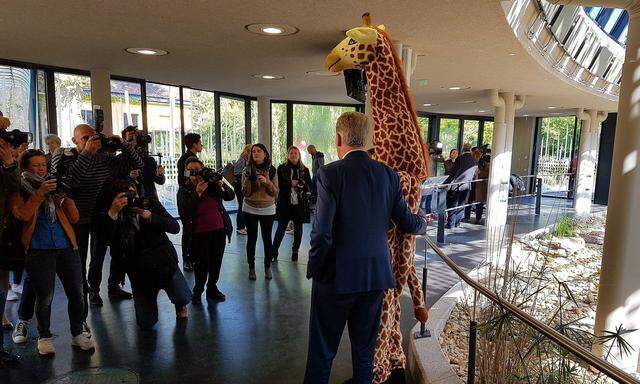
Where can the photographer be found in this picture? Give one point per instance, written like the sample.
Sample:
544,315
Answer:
51,247
90,165
194,146
294,182
207,220
151,173
140,225
9,183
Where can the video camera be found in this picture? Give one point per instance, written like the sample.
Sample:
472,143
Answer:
16,137
133,201
209,175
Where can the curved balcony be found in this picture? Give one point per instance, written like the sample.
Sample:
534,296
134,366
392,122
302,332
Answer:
568,41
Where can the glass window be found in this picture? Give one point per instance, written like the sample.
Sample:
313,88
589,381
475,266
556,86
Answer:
554,156
232,128
449,135
126,105
254,122
487,135
423,122
471,132
278,132
73,104
316,124
200,118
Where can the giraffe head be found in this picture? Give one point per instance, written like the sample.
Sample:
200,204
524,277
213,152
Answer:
357,49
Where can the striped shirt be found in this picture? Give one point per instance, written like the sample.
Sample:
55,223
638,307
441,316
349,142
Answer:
89,173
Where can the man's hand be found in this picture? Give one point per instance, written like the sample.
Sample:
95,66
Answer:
134,174
6,155
93,145
144,213
118,204
201,187
58,198
47,186
160,170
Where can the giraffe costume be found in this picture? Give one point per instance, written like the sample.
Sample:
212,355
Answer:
398,143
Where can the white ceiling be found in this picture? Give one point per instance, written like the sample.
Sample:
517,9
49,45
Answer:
461,42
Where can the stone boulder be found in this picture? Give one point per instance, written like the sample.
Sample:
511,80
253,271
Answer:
562,246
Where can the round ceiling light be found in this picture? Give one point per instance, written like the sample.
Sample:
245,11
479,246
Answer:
268,77
323,73
147,51
268,29
551,107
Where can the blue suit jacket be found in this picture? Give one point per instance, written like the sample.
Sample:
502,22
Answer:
358,201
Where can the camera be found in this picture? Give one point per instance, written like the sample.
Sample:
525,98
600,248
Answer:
143,139
63,183
435,148
16,137
209,175
108,143
134,201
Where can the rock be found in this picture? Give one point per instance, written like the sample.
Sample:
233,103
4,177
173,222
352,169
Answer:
562,246
594,237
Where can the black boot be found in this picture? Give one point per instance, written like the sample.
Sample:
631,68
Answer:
294,256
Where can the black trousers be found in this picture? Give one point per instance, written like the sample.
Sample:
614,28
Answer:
329,314
185,242
455,199
98,248
266,225
282,228
82,236
240,220
208,250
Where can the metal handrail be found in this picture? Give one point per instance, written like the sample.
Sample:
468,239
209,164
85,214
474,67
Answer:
577,350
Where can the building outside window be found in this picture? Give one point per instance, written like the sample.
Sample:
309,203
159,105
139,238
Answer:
126,105
200,118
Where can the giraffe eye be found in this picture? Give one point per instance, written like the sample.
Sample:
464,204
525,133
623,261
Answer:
351,41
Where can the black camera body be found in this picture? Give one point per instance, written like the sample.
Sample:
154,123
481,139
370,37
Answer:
108,143
209,175
435,148
143,139
63,183
16,137
134,201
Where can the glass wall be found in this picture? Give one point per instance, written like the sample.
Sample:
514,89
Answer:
163,124
73,104
254,122
232,128
554,154
423,122
316,124
126,105
449,129
471,132
278,132
200,118
487,134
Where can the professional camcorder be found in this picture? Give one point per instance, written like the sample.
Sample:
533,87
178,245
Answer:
209,175
16,137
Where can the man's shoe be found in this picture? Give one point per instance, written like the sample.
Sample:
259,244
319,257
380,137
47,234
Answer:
45,346
119,294
86,331
294,256
196,299
95,299
12,295
252,274
82,342
8,359
20,333
267,274
217,297
188,266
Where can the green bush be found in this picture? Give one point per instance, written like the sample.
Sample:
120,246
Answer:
565,227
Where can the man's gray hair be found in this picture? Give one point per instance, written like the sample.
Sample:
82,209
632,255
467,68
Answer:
53,138
353,127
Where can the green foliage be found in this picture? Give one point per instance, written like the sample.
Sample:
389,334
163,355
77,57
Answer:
565,227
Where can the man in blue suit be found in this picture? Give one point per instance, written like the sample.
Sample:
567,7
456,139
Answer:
359,200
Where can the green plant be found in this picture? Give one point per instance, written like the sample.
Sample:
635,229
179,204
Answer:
565,227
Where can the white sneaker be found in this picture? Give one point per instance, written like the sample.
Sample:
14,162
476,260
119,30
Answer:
86,331
45,346
82,342
12,295
17,288
20,332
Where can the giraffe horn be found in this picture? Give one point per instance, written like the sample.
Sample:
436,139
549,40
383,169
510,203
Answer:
366,20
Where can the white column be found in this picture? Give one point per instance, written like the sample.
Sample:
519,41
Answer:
505,104
619,291
101,96
588,153
264,121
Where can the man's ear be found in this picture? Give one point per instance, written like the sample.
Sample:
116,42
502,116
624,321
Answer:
338,140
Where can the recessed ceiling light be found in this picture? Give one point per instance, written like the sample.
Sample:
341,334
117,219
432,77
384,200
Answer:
269,29
458,88
482,111
465,102
147,51
429,105
551,107
323,73
512,54
268,77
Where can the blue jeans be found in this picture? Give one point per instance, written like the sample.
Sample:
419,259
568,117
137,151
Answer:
3,301
42,267
145,297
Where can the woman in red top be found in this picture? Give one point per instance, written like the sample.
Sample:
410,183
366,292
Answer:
209,223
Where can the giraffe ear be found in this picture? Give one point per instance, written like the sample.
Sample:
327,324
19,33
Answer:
363,35
382,27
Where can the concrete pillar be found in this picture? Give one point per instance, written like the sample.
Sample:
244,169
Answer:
101,96
588,153
619,290
264,121
505,104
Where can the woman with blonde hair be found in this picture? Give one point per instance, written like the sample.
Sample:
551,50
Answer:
294,180
238,168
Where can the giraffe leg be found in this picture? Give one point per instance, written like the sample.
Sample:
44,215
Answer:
381,359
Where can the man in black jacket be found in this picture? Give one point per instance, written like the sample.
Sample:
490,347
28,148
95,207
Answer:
464,170
151,173
194,146
151,260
